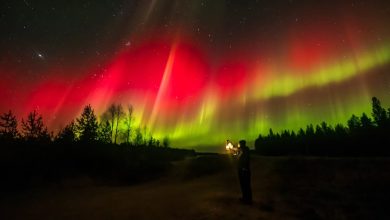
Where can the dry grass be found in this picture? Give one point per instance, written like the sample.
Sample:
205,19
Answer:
207,188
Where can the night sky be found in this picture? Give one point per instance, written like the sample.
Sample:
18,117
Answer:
199,72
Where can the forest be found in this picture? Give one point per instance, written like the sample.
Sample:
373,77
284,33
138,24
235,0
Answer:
362,136
33,155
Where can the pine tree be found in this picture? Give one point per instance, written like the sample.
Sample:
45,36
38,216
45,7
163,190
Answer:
309,130
327,129
301,133
366,121
67,134
378,113
258,142
354,123
340,130
8,126
33,127
87,125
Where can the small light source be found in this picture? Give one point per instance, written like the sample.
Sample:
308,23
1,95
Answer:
229,146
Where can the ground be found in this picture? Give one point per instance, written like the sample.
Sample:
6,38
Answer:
206,187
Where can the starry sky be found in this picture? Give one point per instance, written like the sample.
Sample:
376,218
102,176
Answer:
197,71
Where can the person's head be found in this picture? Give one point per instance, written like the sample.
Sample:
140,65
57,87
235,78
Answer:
243,147
242,143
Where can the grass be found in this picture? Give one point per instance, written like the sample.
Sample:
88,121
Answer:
206,187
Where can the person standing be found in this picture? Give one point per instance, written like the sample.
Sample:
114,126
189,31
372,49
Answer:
244,172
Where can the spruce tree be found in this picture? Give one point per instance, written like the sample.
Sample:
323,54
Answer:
378,113
87,125
8,126
33,128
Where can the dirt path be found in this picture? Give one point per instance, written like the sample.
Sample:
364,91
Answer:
181,196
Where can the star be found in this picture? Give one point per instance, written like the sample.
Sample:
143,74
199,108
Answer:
40,55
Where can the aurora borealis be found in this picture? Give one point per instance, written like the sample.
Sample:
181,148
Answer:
199,72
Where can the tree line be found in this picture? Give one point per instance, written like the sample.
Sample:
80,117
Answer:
111,149
116,125
362,136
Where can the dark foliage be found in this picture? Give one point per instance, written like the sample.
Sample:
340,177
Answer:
104,132
8,126
67,135
362,137
33,128
80,149
87,125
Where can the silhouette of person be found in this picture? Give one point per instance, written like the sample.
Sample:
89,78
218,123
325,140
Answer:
244,172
